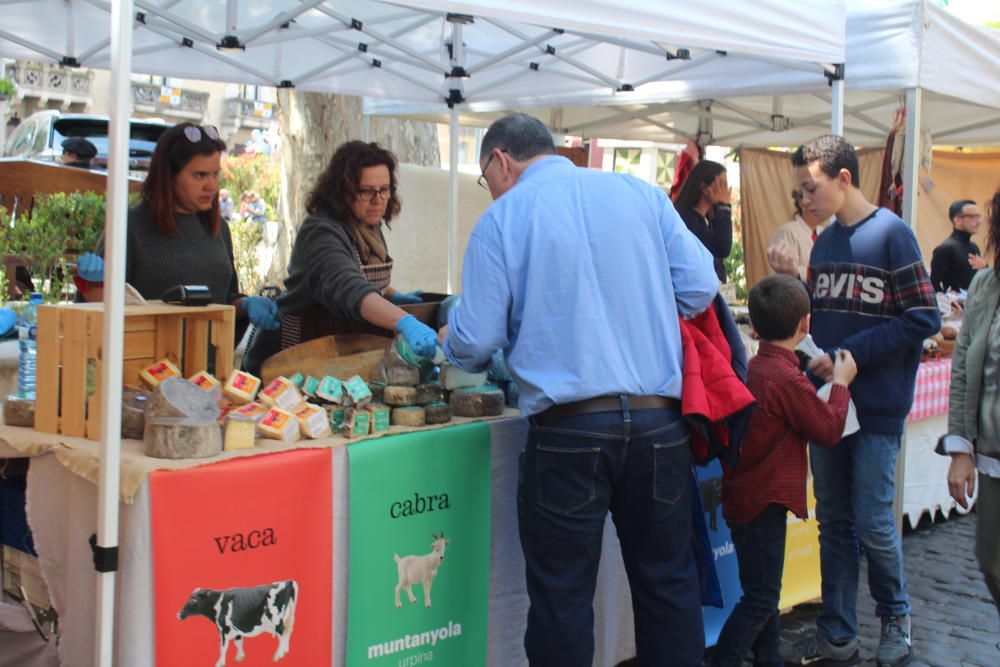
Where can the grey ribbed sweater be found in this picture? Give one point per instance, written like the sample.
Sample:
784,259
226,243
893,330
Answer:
155,263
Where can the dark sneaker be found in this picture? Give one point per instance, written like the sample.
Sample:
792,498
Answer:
894,648
820,652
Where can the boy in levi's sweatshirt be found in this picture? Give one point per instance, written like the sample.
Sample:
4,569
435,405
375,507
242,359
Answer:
870,295
770,478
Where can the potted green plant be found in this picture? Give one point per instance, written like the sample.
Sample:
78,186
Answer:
61,226
7,89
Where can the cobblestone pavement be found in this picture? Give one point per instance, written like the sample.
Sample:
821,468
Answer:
954,622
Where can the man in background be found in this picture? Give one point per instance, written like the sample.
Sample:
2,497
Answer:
957,259
78,152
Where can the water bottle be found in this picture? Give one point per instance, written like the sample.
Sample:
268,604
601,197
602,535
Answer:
27,333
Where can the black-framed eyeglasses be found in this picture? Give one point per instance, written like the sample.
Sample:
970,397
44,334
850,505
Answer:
194,133
370,194
482,177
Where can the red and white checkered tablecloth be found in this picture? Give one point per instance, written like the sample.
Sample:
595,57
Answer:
930,397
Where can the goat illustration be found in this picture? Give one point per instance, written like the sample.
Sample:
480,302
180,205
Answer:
420,570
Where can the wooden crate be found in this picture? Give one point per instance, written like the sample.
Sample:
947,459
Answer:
70,339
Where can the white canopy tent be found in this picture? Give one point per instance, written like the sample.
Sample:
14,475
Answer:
945,70
432,51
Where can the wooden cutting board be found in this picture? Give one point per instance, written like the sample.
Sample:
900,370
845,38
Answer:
340,356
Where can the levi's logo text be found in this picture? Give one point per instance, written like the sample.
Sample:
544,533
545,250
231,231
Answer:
852,288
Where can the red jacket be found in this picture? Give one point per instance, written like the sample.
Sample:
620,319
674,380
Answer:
714,401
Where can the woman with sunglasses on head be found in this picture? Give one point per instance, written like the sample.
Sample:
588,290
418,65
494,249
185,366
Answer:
340,269
176,235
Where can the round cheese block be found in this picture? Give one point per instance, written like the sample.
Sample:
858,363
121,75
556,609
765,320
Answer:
431,392
482,401
437,413
402,376
399,396
408,416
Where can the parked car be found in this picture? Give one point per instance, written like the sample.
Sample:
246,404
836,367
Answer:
41,134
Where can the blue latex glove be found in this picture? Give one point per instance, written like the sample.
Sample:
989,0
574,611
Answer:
403,298
262,312
90,267
8,319
421,337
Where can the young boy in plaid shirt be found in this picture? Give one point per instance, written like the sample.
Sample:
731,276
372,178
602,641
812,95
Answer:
770,478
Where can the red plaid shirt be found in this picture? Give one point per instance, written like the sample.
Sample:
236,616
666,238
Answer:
772,466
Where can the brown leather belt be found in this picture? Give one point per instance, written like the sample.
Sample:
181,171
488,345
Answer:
611,404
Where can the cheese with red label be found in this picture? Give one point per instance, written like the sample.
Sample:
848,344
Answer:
280,393
252,411
313,421
241,387
153,375
279,424
204,381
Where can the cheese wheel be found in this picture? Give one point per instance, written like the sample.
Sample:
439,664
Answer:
240,387
175,397
402,376
399,396
483,401
19,411
412,415
180,438
134,403
431,392
437,413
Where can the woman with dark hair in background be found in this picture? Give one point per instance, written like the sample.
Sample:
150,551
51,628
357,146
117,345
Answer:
340,269
703,204
176,235
973,439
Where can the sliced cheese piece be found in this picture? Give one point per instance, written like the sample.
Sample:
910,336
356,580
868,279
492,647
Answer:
241,388
152,376
297,380
252,411
312,420
204,381
240,433
357,423
309,386
331,389
453,378
358,390
381,418
280,393
338,415
279,424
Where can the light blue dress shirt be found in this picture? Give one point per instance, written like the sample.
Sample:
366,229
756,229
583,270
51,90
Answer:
579,275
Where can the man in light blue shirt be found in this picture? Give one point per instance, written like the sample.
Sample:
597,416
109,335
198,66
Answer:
581,277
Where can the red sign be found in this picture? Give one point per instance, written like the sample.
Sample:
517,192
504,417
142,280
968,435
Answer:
242,562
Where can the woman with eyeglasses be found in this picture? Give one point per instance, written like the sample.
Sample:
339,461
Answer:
340,270
176,235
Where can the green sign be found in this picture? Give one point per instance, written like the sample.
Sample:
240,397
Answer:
420,549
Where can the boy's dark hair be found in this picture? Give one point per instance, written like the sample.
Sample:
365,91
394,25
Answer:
777,305
956,207
833,154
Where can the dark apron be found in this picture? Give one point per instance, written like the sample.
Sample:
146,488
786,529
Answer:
320,322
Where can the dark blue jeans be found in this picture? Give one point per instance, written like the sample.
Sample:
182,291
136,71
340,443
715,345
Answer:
574,470
753,624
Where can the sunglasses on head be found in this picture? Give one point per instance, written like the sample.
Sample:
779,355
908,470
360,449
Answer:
194,133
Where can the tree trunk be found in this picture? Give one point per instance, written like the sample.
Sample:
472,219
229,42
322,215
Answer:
313,125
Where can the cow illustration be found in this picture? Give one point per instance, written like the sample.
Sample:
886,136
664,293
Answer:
420,570
247,612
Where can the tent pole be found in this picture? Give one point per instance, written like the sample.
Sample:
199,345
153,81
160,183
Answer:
911,156
453,201
106,548
837,108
